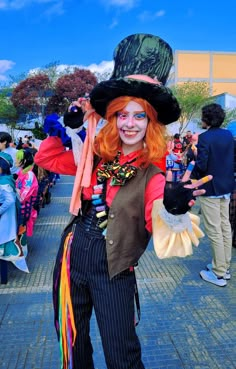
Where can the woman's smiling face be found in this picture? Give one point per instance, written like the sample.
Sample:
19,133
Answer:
132,123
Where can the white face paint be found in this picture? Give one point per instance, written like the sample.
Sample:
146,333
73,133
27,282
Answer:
132,123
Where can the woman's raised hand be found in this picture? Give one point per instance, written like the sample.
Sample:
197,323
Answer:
179,197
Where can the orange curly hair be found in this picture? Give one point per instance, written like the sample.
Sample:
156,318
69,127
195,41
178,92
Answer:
108,141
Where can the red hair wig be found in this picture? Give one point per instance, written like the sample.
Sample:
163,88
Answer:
108,141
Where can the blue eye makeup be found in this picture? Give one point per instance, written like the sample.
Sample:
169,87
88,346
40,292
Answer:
137,116
140,116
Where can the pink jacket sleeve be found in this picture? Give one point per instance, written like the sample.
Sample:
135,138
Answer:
52,156
154,191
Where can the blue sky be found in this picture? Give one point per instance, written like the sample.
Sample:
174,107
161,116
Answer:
35,33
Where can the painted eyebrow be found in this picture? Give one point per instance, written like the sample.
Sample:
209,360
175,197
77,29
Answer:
134,112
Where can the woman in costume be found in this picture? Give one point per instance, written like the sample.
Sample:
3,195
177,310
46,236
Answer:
8,219
12,240
117,203
27,188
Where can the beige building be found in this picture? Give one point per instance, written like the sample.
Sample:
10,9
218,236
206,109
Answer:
216,68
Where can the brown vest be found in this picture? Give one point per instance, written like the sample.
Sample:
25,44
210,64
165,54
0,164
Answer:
127,237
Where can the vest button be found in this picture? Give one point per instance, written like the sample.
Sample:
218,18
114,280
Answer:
111,242
112,216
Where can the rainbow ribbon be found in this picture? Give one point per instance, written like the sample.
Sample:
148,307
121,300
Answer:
67,331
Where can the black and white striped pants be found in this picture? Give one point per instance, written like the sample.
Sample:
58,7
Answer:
112,300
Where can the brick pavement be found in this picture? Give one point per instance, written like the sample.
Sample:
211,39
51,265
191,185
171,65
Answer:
186,323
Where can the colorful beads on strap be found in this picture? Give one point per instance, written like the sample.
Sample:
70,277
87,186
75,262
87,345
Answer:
99,200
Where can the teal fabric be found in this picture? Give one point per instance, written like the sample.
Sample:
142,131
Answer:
10,248
8,179
7,157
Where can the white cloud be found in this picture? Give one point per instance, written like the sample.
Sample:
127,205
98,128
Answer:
160,13
113,24
129,3
3,4
5,65
19,4
103,67
55,9
148,16
125,4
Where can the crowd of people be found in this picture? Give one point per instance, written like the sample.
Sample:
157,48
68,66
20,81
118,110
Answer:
181,151
24,189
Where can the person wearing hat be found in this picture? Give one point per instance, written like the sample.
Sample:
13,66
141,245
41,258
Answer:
117,203
10,235
5,141
8,226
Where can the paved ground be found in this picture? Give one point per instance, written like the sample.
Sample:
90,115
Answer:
186,323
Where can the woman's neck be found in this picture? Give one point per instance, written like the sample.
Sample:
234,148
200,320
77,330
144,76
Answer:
127,149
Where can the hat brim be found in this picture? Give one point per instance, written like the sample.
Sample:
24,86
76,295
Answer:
159,96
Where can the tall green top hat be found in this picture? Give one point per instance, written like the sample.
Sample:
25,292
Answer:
142,66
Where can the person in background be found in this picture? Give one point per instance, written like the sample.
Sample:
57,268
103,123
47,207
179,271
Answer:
116,204
27,187
187,139
171,158
216,157
11,238
232,204
177,142
26,139
190,152
5,141
178,168
8,219
19,144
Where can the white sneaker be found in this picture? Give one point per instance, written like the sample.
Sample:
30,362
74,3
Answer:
226,276
209,276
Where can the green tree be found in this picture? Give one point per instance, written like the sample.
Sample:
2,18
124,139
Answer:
192,96
230,115
8,113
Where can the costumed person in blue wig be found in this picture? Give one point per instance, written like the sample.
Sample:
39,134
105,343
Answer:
11,242
120,198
